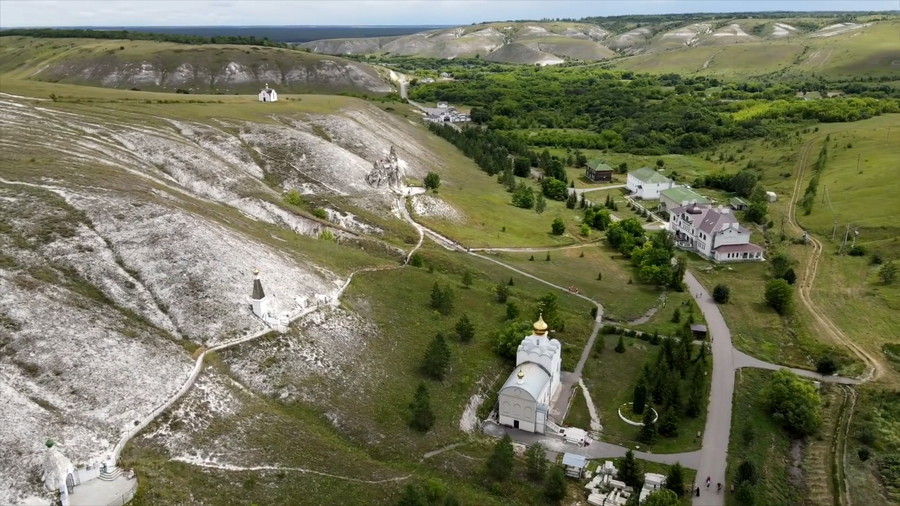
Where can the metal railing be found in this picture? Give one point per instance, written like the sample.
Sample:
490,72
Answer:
123,499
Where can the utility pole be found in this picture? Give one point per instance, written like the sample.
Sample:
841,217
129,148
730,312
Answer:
855,237
833,229
844,242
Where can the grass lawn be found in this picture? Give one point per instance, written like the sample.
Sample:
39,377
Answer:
611,378
757,329
620,300
490,218
661,320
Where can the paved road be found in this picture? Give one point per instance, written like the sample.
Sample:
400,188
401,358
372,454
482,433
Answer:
596,450
714,452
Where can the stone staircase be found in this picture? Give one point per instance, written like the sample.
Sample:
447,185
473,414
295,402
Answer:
110,474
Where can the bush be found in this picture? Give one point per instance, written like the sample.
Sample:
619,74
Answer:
320,213
620,346
721,294
779,295
826,366
416,260
790,276
432,181
857,251
864,453
293,198
794,403
876,259
558,227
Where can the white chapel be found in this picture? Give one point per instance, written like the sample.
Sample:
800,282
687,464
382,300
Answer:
268,95
526,396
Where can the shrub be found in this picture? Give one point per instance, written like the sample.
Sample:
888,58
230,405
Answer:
558,227
826,366
721,294
857,251
864,453
620,346
327,235
877,259
293,198
790,276
432,181
416,260
320,213
779,295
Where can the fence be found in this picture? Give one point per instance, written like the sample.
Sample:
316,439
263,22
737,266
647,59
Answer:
123,499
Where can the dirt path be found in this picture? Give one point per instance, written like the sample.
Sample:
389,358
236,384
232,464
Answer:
227,467
827,328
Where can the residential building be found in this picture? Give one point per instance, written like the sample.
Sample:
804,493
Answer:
442,105
526,396
646,183
268,95
712,232
679,196
598,172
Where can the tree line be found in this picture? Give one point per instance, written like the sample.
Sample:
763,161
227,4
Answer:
54,33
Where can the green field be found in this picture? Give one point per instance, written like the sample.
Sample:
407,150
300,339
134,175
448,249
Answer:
621,300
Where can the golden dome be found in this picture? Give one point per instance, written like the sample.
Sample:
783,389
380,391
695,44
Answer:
256,272
540,327
521,374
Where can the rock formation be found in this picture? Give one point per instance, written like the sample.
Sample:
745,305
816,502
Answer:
385,172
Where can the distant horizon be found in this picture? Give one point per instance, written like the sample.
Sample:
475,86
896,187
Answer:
104,14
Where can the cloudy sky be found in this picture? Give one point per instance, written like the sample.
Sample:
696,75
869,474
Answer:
372,12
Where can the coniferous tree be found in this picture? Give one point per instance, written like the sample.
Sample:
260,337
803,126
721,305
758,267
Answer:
640,397
437,296
630,471
668,422
437,358
676,316
648,430
512,310
675,479
540,203
555,485
672,395
502,293
620,346
412,496
467,279
572,200
464,329
422,418
510,281
536,461
500,463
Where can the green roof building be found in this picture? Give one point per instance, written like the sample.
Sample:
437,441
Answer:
679,196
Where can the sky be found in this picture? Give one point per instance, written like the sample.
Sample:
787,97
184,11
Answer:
14,13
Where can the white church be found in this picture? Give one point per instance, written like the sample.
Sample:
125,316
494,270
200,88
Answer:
268,95
526,396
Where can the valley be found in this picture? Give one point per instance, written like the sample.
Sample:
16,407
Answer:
400,257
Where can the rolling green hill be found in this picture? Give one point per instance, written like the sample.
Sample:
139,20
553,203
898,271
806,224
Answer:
164,66
723,45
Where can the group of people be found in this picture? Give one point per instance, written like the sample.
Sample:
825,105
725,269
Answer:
708,481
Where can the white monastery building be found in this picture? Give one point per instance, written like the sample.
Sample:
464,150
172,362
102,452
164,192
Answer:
645,183
712,232
258,299
526,396
268,95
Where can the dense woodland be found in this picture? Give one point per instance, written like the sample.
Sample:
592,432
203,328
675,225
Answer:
641,114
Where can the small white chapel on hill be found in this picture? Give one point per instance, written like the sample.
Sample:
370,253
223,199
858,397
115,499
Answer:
268,95
526,396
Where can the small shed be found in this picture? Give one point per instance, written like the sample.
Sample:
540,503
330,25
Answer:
574,465
771,196
598,171
268,95
699,330
738,204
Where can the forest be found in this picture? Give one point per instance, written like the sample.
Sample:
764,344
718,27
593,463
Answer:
640,114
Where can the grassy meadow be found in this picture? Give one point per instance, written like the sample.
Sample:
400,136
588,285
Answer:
620,299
